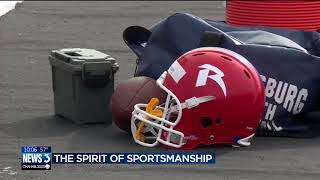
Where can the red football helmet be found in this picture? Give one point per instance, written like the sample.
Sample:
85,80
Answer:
214,96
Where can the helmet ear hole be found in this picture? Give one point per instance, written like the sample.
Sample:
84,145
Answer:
205,122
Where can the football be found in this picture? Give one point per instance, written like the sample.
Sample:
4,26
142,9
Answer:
129,93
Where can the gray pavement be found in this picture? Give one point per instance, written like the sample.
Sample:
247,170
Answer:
30,32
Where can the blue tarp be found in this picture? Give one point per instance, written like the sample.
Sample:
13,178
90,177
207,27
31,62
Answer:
287,60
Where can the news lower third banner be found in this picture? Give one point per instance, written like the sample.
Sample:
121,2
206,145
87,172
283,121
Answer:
42,157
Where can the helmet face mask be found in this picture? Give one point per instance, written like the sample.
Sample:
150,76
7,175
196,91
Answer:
204,95
157,126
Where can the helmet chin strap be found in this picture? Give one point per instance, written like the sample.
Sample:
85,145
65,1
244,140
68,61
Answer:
192,102
151,109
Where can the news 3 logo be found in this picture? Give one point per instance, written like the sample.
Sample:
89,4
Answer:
36,157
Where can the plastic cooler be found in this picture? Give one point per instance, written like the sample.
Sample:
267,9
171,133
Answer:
290,14
83,82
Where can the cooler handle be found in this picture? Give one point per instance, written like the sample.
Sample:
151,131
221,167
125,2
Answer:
98,74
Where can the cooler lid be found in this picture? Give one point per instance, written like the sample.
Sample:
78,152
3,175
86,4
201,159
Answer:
81,55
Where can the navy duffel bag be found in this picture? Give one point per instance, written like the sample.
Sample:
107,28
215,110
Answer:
287,60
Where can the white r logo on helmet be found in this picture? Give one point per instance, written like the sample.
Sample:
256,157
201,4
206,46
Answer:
204,75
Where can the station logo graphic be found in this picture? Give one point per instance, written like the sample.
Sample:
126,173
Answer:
36,158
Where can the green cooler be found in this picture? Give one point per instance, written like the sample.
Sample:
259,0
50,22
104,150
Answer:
83,82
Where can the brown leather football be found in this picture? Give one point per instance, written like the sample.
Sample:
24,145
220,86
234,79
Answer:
129,93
